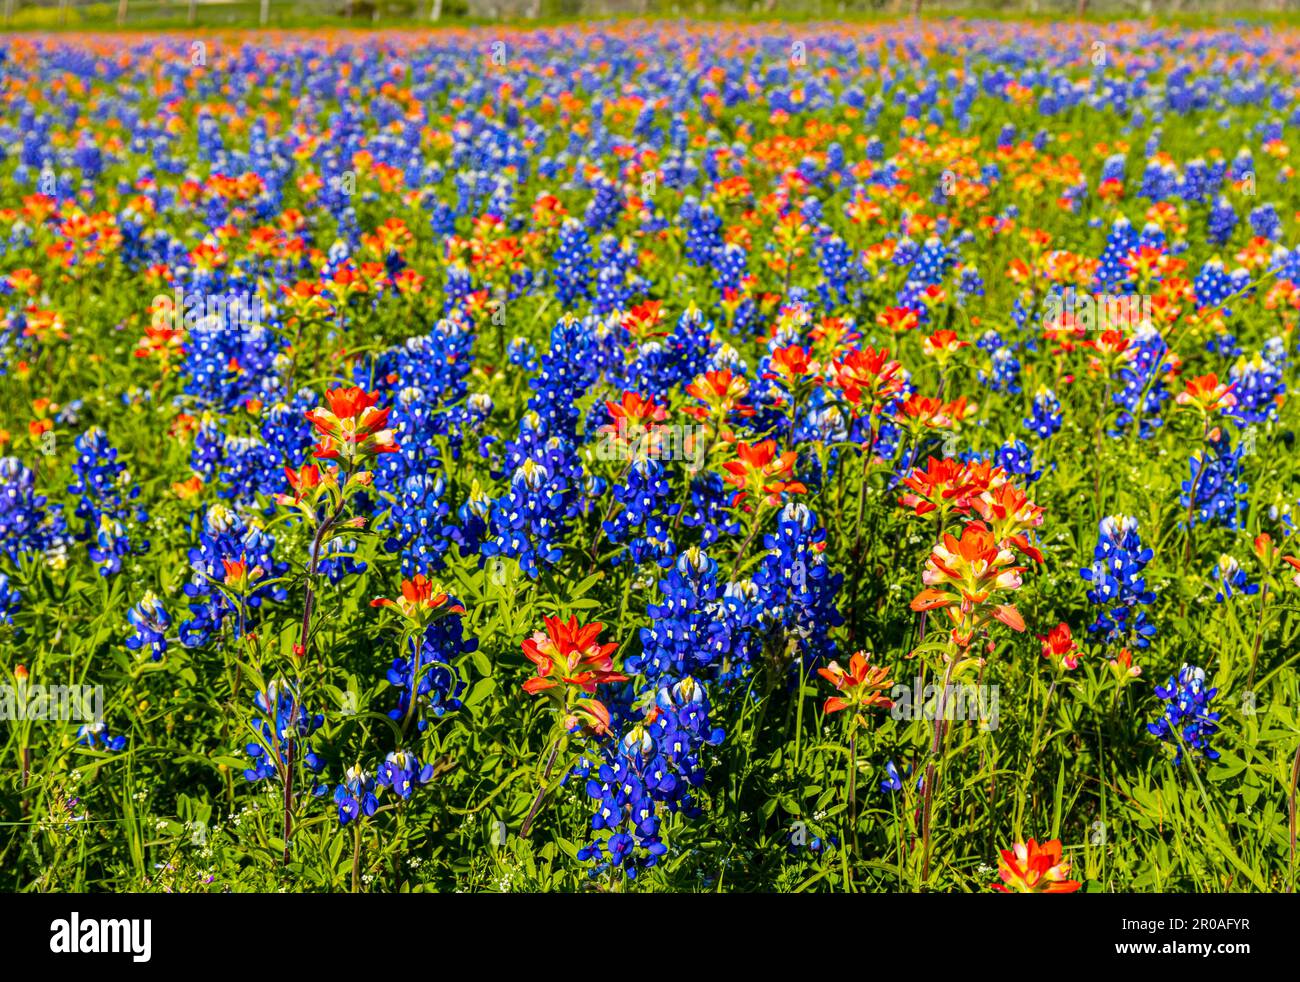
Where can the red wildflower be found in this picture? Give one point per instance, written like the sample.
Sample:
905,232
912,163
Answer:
569,653
1033,868
351,428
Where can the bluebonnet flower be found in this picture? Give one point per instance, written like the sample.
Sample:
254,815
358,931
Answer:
646,498
892,781
1213,285
1003,372
355,797
111,545
970,285
648,773
402,772
28,523
95,734
1231,579
616,280
664,364
1259,387
1017,459
522,354
1221,221
226,536
428,668
1044,414
283,722
1122,240
1217,485
701,627
839,271
10,599
338,559
225,367
710,508
704,232
1265,223
150,620
796,587
528,522
1118,586
572,264
417,520
104,488
1138,375
1186,720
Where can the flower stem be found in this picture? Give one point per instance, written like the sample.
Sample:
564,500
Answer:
932,769
541,792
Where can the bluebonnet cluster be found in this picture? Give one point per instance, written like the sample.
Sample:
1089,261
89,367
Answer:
1258,385
1230,579
572,265
1003,371
355,797
338,559
1264,222
1216,485
227,536
1044,418
1017,459
283,721
796,587
1187,722
529,520
663,364
104,489
28,523
402,772
702,626
95,735
1214,285
1138,375
648,774
418,522
709,510
841,271
702,629
244,467
1221,221
1122,240
547,482
428,669
430,401
617,282
643,520
227,366
150,621
1118,585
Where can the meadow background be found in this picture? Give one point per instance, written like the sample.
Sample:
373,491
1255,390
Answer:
865,243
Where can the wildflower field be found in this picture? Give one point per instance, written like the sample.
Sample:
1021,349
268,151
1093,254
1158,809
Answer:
650,457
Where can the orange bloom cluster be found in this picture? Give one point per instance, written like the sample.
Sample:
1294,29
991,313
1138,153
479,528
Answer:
420,603
758,470
863,686
1207,394
1059,646
569,653
964,577
868,379
947,484
1033,868
351,428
